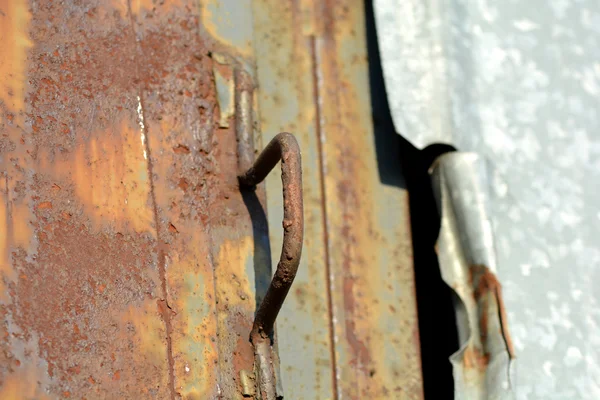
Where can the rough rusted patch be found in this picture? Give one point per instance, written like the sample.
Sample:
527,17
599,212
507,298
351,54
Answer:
204,227
14,23
84,282
71,296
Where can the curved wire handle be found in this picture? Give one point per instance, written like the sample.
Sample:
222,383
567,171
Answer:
282,147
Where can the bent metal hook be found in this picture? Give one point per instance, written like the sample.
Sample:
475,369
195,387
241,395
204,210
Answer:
282,147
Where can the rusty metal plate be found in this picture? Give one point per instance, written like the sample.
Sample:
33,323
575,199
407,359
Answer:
127,253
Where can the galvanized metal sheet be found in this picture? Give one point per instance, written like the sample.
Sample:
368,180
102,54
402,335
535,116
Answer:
517,82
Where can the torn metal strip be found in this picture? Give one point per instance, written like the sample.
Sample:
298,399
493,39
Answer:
482,366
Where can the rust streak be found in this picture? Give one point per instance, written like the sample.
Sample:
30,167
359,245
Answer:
347,198
320,137
475,358
487,283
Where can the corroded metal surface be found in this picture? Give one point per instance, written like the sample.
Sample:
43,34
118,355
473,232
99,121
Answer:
321,92
81,288
177,108
126,248
372,281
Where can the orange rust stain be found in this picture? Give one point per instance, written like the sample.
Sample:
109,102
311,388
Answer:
15,216
110,175
22,230
475,358
20,386
488,284
230,264
5,267
14,42
145,320
44,205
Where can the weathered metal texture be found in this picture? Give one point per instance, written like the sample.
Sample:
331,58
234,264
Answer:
482,366
201,112
81,289
358,241
282,147
177,107
370,260
126,248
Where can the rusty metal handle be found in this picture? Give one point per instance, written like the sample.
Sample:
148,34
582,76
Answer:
282,147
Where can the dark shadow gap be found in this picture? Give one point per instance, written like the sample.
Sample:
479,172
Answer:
401,164
262,248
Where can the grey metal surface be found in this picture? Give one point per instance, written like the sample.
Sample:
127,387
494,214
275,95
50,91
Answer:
519,83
